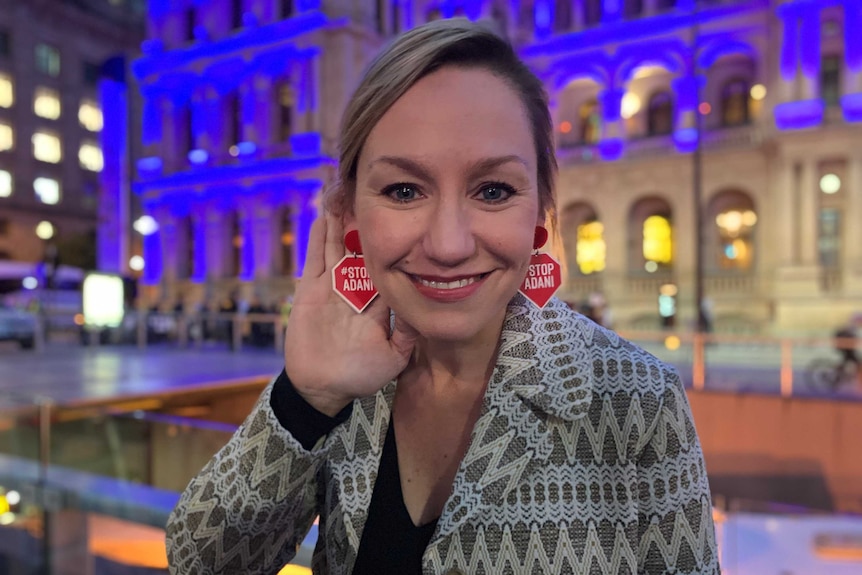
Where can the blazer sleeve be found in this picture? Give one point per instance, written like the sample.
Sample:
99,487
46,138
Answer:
675,524
251,505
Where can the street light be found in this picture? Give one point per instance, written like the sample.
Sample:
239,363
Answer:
45,230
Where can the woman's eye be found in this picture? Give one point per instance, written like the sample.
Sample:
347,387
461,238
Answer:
401,192
496,192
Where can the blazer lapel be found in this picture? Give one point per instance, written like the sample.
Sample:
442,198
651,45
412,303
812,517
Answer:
540,374
354,459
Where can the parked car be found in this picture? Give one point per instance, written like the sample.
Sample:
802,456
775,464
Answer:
17,325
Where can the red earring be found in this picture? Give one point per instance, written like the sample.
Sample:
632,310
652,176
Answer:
350,278
544,276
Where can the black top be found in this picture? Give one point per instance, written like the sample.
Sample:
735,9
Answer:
390,543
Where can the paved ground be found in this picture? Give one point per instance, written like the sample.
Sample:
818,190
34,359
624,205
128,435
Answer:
73,373
70,373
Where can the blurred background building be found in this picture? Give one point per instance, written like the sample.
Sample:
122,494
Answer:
241,100
59,60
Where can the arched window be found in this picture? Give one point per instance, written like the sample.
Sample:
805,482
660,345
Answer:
733,220
633,9
660,114
590,122
285,99
563,16
734,103
592,12
286,240
651,243
233,113
583,239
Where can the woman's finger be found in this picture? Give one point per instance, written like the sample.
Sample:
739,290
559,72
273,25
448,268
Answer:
315,265
334,247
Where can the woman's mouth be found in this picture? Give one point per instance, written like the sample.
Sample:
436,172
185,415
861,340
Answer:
451,284
448,289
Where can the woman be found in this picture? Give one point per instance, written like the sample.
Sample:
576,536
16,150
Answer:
452,426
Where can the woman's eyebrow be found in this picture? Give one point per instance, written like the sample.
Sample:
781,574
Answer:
418,170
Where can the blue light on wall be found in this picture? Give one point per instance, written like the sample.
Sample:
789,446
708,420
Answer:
152,259
685,140
198,157
611,149
113,229
851,105
799,115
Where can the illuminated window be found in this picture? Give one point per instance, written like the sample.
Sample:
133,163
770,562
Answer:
735,238
47,190
734,103
48,60
591,123
47,148
5,184
90,116
7,137
657,240
591,249
46,103
90,156
7,91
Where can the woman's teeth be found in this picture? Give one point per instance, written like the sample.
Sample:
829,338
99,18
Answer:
448,285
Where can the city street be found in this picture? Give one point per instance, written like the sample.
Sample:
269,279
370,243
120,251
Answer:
72,374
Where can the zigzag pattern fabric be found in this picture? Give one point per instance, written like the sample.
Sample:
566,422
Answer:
584,460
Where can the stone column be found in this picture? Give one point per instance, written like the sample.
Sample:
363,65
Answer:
261,128
789,62
219,242
201,130
151,118
199,245
264,227
852,232
809,213
246,230
169,236
303,212
613,132
685,133
809,53
784,207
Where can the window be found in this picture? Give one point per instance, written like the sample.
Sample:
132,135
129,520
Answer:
591,123
830,80
829,237
286,8
666,4
236,14
46,103
591,248
47,148
286,98
90,116
191,22
734,103
5,43
657,240
592,12
660,114
47,190
380,13
48,60
234,119
396,16
91,73
7,92
7,137
5,184
90,157
563,15
735,235
633,8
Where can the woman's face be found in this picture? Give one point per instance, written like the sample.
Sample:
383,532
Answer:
447,203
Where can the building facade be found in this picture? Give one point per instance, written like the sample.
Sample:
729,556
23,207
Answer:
724,128
56,62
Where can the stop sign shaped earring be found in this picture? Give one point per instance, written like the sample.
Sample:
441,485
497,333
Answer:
350,279
544,276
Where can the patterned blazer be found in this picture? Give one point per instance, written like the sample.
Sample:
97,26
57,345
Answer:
584,460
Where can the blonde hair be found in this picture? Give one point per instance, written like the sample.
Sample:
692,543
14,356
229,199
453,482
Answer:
418,53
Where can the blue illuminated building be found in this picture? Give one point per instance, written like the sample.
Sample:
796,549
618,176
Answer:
241,101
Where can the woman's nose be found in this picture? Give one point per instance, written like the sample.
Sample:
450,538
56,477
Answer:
449,237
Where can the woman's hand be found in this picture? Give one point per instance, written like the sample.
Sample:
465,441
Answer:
332,354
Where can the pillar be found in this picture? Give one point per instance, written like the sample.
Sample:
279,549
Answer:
789,60
246,230
303,213
685,133
218,241
264,241
852,73
852,232
784,207
809,213
169,236
611,144
199,245
809,53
